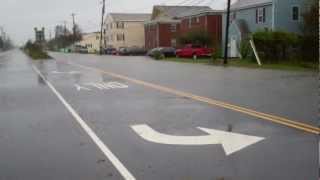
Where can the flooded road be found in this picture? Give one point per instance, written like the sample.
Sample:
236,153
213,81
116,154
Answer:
106,117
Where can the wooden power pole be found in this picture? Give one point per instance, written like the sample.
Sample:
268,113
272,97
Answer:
101,29
225,59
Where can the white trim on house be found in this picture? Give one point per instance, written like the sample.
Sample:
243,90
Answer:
273,15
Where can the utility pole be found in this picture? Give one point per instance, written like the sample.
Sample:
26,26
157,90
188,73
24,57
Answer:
225,60
74,24
65,28
101,29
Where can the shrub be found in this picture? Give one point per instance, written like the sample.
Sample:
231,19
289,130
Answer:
309,41
158,55
245,49
197,37
275,44
217,53
35,51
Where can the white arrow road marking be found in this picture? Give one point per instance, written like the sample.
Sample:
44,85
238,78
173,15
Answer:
117,85
107,86
231,142
79,87
71,72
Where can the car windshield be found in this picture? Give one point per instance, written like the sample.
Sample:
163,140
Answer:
159,90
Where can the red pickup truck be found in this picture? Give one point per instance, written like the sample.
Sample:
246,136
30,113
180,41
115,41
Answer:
194,51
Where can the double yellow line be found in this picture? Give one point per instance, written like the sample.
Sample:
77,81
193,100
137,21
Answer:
212,102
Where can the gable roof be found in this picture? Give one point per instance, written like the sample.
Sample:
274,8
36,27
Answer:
130,16
174,12
243,4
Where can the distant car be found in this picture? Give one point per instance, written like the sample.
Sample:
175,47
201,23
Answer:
132,51
194,51
84,50
165,51
111,51
123,51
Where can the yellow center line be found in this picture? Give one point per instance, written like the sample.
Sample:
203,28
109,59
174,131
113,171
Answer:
260,115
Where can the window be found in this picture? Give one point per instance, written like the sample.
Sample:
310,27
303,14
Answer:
120,37
173,42
88,45
110,25
120,25
260,15
295,13
97,37
190,22
197,19
173,27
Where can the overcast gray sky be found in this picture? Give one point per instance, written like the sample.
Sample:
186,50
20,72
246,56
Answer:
19,17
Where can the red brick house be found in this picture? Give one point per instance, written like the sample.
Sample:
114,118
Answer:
168,23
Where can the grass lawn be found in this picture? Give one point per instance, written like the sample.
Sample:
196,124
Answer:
189,60
291,66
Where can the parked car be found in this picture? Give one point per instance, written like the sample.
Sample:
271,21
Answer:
165,51
111,51
194,51
84,50
123,51
132,51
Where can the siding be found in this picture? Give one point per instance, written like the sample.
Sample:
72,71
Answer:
134,33
283,14
210,23
249,15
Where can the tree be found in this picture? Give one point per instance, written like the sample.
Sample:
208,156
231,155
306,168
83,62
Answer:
78,33
63,37
310,44
1,43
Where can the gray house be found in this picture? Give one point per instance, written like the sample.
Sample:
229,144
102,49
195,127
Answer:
249,16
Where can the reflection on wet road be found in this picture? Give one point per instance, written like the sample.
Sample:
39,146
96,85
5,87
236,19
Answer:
185,139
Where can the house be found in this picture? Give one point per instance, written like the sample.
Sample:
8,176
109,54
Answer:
248,16
168,23
90,41
124,30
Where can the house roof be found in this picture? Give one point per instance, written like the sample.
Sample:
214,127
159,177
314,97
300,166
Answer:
130,16
201,13
243,4
174,12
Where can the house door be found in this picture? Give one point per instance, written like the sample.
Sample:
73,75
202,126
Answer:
233,47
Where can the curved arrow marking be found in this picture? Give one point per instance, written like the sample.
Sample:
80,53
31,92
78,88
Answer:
231,142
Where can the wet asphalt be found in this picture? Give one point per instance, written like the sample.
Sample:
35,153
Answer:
39,139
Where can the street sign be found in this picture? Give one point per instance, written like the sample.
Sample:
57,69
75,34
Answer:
231,142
